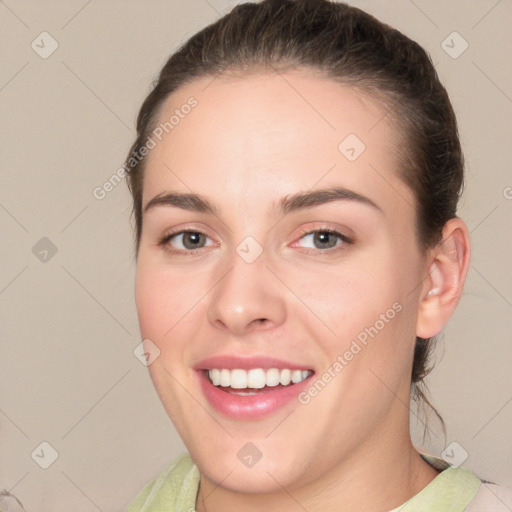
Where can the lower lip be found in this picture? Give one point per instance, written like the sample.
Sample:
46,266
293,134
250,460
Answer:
250,407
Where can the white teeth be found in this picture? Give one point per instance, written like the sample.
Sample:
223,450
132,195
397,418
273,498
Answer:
238,379
243,393
286,377
225,378
256,378
296,376
272,377
215,376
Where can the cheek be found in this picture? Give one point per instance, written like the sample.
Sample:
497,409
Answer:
350,299
369,315
378,341
165,300
149,299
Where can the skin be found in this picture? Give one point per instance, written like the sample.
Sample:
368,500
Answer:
250,141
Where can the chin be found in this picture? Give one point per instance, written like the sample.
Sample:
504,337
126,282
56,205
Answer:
262,478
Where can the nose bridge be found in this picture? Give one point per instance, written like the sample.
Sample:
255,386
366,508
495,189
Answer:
245,296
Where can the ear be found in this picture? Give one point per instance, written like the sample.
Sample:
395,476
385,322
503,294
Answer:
447,267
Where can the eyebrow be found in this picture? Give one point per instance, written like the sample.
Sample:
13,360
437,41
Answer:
289,203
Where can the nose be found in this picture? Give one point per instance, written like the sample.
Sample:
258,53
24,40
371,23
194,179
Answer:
246,298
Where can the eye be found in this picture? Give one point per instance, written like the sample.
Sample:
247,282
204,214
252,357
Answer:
325,238
184,241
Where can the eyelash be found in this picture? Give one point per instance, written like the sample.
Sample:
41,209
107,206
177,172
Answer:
164,241
344,238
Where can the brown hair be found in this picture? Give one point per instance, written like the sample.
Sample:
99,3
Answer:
346,44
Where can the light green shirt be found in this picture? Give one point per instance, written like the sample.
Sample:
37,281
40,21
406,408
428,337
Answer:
453,490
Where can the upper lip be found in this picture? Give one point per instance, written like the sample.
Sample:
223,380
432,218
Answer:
232,362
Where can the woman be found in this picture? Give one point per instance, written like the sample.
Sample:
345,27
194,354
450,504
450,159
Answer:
295,183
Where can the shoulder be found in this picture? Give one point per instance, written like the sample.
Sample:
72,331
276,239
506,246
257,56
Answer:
174,489
491,498
463,490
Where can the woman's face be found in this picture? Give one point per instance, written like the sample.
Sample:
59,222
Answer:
259,284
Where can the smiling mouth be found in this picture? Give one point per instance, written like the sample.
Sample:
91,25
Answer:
257,380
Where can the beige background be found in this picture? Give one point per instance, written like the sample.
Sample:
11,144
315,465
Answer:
68,325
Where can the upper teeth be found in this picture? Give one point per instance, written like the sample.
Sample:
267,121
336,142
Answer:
256,378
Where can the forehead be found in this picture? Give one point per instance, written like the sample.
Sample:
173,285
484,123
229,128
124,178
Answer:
280,130
292,104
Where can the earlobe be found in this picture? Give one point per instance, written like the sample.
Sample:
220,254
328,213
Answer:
446,274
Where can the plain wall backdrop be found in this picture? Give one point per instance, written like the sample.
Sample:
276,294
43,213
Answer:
69,376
